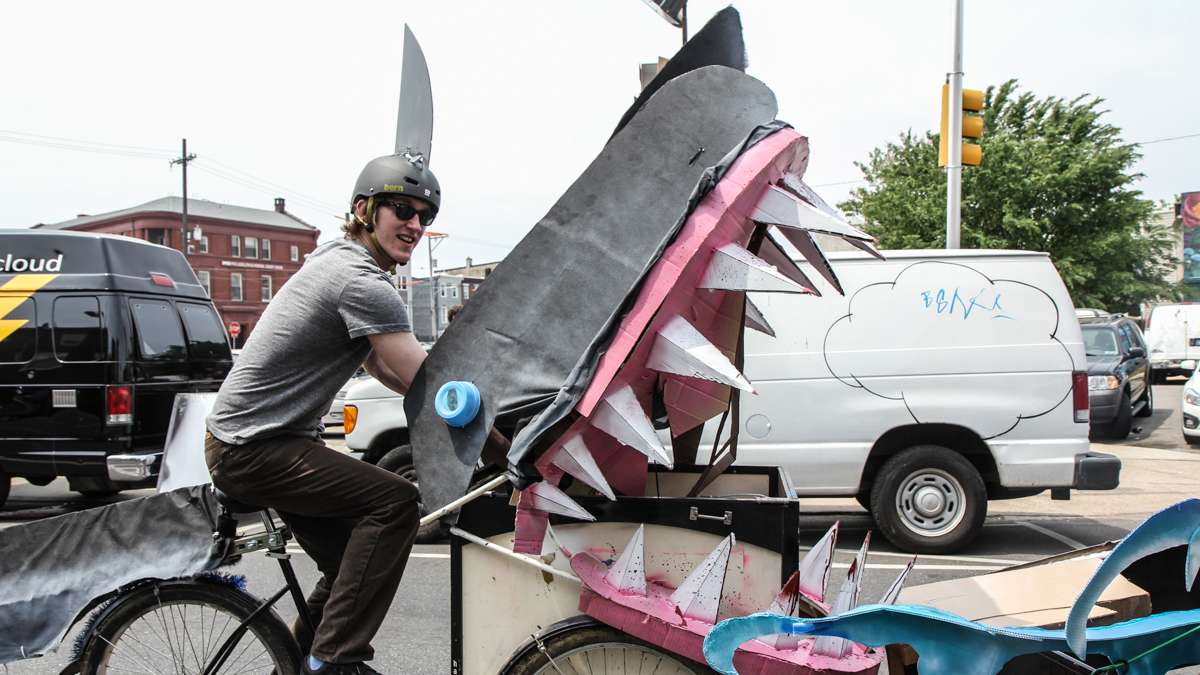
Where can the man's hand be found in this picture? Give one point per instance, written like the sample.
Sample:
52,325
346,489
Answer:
394,359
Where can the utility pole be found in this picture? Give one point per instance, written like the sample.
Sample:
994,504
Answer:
430,236
184,158
954,165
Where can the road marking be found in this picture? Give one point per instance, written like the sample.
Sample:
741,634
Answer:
1061,538
435,556
889,566
959,558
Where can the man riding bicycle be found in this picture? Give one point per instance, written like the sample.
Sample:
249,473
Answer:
340,311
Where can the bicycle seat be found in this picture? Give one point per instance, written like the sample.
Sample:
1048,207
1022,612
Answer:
234,506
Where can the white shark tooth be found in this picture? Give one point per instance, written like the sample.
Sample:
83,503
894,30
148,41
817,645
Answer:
628,574
681,349
865,246
780,207
575,458
774,254
756,320
699,596
815,566
545,497
621,416
803,241
786,603
733,268
893,592
847,600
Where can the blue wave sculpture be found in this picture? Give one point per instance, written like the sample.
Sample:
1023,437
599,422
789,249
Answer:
1178,525
948,644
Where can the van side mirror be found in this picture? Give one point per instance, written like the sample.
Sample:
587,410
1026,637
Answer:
1137,353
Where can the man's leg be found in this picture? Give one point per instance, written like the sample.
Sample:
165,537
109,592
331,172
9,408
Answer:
324,540
302,477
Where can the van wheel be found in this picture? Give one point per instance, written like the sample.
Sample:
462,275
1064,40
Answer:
399,461
929,499
1120,427
1148,409
5,486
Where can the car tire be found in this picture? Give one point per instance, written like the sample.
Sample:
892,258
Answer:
1148,409
1193,441
5,486
952,506
399,460
1122,424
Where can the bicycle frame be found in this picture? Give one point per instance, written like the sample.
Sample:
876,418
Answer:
273,540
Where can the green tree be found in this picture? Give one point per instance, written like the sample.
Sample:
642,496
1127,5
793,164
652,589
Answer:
1055,177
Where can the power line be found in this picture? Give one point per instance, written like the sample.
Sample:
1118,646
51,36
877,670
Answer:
1169,138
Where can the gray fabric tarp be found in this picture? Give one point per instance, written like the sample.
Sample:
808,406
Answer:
50,570
532,334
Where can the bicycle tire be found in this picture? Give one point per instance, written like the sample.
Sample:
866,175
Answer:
597,650
189,620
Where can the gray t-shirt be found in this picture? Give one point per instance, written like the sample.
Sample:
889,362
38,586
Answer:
310,340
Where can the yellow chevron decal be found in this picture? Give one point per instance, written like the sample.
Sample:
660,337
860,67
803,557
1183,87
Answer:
14,292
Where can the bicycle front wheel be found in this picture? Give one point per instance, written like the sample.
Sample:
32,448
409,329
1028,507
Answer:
179,626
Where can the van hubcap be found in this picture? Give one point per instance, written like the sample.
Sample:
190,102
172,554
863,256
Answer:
930,502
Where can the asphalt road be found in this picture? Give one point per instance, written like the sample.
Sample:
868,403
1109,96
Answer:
1159,469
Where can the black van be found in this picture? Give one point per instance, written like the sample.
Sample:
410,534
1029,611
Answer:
97,335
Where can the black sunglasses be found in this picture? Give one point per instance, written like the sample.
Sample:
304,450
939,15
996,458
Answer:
405,211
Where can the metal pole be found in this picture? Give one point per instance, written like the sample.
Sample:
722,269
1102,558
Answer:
683,21
433,303
954,147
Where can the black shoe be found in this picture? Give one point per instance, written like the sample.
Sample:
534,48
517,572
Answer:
360,668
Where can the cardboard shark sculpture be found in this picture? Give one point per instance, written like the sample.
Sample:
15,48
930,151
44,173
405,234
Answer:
630,294
951,645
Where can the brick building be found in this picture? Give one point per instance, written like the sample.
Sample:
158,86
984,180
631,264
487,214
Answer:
242,256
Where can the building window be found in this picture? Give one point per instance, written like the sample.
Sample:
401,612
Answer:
204,244
445,316
235,286
266,249
295,253
403,285
266,287
205,281
251,247
466,291
235,245
191,249
454,292
441,290
157,235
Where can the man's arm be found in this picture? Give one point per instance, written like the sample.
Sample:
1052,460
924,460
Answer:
394,359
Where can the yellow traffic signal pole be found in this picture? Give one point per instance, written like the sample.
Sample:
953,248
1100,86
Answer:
954,165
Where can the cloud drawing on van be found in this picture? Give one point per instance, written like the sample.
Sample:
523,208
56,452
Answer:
945,341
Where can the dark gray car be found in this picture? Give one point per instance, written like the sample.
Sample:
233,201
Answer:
1118,375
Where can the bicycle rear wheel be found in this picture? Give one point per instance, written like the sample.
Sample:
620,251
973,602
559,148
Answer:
179,626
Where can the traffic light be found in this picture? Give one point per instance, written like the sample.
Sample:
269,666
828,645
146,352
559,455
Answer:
972,127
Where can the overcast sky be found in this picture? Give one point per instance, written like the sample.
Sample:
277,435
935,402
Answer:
291,99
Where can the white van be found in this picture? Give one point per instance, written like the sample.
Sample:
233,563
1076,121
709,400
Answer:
1173,335
940,380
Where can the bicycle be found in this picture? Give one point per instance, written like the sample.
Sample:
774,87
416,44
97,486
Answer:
202,625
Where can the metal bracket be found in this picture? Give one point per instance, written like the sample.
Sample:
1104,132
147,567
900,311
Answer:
542,648
694,514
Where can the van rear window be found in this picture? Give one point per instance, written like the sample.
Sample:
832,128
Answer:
206,337
18,346
160,337
79,332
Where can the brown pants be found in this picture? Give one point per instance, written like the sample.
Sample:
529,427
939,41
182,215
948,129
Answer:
355,520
